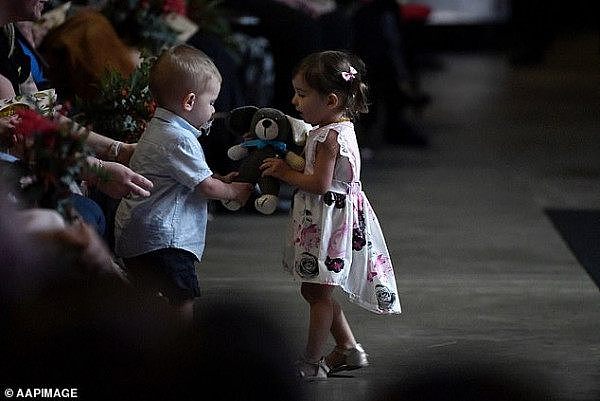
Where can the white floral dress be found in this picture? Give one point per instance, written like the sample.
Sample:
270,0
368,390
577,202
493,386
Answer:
336,238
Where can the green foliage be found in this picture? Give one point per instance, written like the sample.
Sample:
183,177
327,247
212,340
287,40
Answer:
123,106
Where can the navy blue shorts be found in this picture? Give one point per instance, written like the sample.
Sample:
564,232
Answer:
170,271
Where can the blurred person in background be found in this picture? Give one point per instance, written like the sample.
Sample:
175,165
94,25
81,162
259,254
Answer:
379,40
16,78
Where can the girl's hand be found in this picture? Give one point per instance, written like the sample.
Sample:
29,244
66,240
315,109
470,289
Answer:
274,167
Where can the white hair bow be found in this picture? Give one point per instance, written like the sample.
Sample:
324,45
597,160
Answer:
349,75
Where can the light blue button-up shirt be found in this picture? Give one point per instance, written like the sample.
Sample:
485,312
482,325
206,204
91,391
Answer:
175,214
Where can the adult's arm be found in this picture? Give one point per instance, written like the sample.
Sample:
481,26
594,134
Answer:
109,149
120,180
103,147
115,179
6,89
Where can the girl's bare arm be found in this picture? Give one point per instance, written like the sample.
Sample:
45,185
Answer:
320,181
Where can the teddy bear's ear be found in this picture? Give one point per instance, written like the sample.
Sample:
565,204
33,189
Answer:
299,130
238,120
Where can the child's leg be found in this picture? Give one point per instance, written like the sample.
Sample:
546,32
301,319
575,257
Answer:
170,272
340,329
184,311
347,354
319,297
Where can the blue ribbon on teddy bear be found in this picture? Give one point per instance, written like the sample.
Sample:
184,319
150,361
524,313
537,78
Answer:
279,146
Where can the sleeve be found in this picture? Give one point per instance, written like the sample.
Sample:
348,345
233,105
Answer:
188,163
321,134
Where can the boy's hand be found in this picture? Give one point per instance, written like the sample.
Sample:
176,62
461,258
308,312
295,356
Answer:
228,178
242,191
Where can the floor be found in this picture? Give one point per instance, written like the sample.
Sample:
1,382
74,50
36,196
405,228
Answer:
485,280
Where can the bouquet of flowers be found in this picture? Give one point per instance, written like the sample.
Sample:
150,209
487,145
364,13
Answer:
54,155
123,107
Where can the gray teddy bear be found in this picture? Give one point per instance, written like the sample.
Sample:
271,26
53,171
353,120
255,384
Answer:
267,133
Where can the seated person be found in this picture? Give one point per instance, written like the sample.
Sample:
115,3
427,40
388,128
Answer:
16,78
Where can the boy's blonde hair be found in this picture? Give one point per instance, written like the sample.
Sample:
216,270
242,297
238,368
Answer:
180,70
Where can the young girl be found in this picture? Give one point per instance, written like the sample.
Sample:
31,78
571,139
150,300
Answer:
334,236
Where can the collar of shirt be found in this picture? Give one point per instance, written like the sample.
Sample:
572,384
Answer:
172,118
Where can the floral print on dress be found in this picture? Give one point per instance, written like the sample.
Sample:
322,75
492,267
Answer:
307,266
334,265
358,233
308,232
385,297
336,199
371,275
335,237
380,266
359,238
337,242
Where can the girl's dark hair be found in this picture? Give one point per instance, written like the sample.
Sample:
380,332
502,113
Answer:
331,71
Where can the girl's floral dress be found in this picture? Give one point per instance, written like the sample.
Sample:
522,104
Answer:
336,238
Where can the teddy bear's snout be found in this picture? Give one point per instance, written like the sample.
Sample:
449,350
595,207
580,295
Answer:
267,129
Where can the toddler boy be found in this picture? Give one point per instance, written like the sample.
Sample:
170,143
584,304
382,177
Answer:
161,237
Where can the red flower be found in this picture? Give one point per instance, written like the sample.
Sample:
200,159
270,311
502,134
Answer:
30,123
175,6
151,106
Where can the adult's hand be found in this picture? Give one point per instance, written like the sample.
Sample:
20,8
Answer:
7,135
120,181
